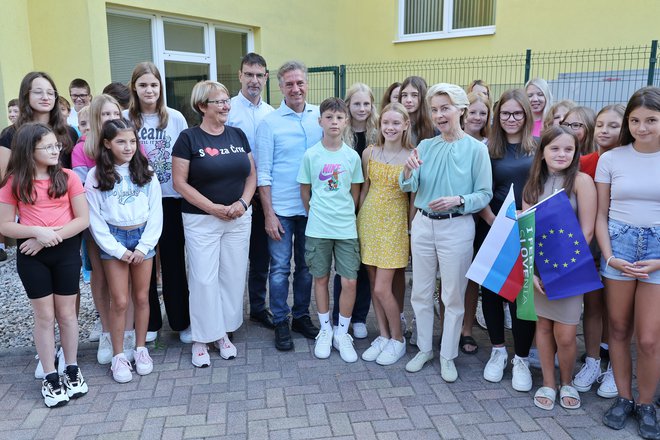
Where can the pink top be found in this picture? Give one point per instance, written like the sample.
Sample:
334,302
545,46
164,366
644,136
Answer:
45,211
536,130
78,156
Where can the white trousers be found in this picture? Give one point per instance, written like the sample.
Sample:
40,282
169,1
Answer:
447,243
217,257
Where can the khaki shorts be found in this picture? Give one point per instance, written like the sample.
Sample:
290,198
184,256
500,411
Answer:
318,256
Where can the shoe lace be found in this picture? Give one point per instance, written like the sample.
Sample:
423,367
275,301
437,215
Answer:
605,376
346,341
519,364
142,356
122,362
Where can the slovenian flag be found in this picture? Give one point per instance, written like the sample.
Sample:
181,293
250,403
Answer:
498,265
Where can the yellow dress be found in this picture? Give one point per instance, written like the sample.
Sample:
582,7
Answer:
383,219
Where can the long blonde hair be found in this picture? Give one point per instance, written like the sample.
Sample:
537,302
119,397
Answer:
91,141
372,121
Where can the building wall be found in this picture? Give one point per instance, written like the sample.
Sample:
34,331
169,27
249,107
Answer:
68,38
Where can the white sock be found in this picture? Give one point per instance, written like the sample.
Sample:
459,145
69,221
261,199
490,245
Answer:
521,358
324,319
2,245
502,349
344,322
119,356
140,348
604,346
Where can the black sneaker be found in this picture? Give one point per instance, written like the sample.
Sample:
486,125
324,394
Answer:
53,391
74,382
648,423
264,317
304,326
283,341
616,416
3,255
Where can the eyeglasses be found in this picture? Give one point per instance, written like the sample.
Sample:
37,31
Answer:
81,96
50,94
219,101
573,125
254,75
52,148
517,116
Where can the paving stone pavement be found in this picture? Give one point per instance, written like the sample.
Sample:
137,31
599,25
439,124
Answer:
266,394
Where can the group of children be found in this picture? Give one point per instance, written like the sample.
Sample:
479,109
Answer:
123,209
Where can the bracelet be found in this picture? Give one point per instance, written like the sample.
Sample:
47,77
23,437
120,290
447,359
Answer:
607,263
244,203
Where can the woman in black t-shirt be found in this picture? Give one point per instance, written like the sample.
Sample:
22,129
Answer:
213,169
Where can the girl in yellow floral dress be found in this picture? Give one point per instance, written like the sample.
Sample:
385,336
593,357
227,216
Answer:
383,229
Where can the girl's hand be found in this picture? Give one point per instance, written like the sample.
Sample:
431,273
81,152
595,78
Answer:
137,257
48,237
127,257
236,210
413,162
538,284
641,269
444,203
31,247
625,267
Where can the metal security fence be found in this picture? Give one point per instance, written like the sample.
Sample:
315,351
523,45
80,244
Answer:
591,77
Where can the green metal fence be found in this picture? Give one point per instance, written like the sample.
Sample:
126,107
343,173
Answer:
591,77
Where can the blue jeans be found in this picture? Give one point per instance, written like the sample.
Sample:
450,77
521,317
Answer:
280,269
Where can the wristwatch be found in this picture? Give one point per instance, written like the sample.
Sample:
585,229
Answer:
462,201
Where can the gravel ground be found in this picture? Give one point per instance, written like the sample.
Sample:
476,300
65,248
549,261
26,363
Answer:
16,322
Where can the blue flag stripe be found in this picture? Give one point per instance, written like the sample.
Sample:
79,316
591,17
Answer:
504,262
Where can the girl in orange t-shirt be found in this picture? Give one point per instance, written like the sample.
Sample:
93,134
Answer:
51,205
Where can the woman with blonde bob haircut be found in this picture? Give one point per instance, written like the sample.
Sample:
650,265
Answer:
452,178
214,171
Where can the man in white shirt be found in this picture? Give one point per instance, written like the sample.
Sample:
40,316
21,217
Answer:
247,111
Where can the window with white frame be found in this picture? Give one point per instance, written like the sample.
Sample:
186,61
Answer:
433,19
185,52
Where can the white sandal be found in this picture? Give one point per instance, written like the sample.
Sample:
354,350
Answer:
545,393
571,393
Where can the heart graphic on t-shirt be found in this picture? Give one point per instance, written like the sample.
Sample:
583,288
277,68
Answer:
211,151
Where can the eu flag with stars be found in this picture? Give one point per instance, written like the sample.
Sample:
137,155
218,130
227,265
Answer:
563,258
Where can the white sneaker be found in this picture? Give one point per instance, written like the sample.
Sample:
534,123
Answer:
185,336
226,348
104,352
494,369
522,377
481,319
61,363
359,330
607,388
417,363
344,344
377,346
393,351
507,318
143,362
121,369
323,344
53,391
39,372
200,355
129,345
413,332
152,336
95,334
448,370
534,359
587,375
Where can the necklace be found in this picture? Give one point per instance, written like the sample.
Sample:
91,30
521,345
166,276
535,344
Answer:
554,181
384,158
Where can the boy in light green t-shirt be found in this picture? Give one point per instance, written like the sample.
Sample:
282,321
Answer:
330,176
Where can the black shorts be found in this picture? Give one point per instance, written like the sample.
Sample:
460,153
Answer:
53,270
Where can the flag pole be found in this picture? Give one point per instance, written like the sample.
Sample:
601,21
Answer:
526,211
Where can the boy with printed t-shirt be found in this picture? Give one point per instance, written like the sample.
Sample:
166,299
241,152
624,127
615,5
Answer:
330,176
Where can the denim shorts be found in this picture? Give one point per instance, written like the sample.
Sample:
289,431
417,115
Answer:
632,243
129,239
